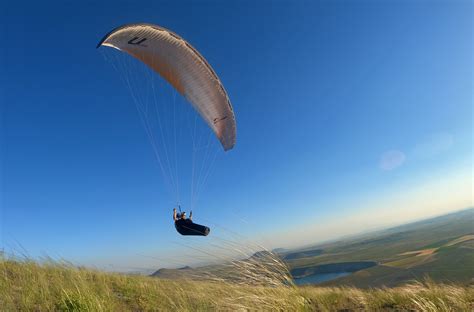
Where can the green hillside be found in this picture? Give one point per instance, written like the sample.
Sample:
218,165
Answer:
439,248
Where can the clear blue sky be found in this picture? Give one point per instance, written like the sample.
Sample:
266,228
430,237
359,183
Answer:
338,103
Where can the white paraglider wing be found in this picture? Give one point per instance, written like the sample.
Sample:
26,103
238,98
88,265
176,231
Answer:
184,68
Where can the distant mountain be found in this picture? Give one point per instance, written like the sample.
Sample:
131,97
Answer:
302,254
280,250
173,273
265,261
261,254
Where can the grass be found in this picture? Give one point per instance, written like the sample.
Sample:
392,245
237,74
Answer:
409,262
51,286
242,277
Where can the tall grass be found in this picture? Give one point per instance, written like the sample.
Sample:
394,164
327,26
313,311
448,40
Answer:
245,264
56,286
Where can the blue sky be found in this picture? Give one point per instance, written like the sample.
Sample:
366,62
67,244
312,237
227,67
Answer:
343,108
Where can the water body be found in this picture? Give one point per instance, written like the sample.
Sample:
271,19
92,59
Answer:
329,271
319,278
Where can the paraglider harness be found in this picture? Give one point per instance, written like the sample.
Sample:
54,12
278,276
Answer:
188,227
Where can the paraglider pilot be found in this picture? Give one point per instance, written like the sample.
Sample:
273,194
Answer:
182,215
186,226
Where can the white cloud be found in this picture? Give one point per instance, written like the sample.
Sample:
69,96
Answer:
391,160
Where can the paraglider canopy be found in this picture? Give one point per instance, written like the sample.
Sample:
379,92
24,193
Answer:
184,68
156,50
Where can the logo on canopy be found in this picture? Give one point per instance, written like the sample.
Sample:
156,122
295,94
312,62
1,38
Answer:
137,41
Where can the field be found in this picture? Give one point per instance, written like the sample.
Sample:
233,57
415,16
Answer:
29,286
441,249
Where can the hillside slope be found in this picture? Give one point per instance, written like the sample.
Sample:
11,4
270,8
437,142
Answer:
28,286
440,248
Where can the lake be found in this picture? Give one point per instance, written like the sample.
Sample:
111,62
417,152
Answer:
319,278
